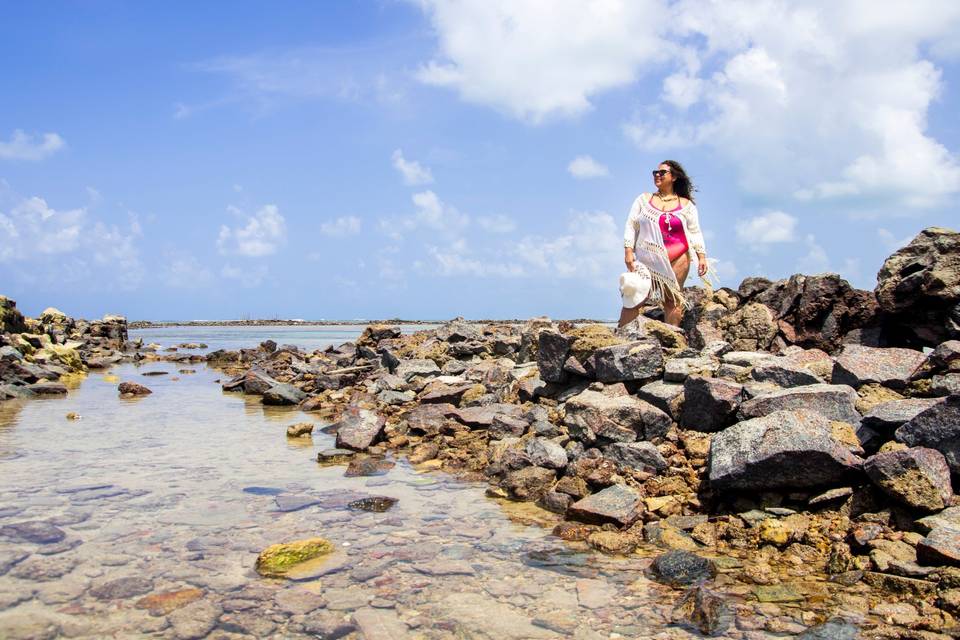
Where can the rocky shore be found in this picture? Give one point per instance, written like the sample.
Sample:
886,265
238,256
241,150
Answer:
792,441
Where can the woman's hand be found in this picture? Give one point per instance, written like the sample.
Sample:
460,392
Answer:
629,259
701,265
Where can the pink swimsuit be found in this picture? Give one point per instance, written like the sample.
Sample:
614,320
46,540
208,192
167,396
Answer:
671,228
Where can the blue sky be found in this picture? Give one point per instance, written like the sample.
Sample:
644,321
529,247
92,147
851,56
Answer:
433,159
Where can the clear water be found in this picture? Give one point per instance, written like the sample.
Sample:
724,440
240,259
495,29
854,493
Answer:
173,466
234,337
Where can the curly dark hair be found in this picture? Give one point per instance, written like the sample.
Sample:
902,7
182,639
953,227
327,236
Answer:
682,184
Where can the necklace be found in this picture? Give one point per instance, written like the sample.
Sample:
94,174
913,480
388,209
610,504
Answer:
665,198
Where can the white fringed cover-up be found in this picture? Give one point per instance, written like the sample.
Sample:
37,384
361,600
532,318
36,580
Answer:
642,233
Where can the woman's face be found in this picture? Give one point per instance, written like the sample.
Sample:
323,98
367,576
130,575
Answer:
663,181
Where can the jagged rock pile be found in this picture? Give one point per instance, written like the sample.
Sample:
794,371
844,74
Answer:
36,353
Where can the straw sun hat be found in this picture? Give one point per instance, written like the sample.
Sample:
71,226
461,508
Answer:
635,286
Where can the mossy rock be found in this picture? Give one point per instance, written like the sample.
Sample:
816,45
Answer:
590,337
277,559
667,335
436,351
472,394
870,395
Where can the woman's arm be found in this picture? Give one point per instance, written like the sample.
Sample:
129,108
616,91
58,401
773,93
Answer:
695,238
630,236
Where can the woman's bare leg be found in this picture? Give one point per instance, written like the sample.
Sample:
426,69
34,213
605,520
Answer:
628,315
673,312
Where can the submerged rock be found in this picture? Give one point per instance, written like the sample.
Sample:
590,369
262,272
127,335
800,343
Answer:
35,531
679,568
377,504
122,588
278,559
704,610
133,389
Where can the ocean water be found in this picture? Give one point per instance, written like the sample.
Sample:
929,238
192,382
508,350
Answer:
307,338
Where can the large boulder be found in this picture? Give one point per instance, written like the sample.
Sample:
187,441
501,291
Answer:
938,428
594,417
918,477
636,455
749,328
359,429
709,404
818,310
552,351
890,367
283,394
786,449
633,361
887,416
836,402
918,289
11,320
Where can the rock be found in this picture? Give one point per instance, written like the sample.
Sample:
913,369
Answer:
379,624
679,369
11,320
277,560
888,416
287,502
506,426
749,328
592,416
477,615
161,604
529,483
429,418
937,428
552,352
612,542
48,388
283,394
836,402
195,621
335,456
393,398
35,531
918,477
636,455
704,610
680,568
423,452
375,504
359,430
784,374
778,593
410,368
786,449
890,367
710,404
441,392
546,453
949,517
940,547
918,288
300,430
618,504
831,630
133,389
121,588
666,396
482,417
633,361
364,467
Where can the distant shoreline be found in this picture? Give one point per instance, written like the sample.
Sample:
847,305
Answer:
150,324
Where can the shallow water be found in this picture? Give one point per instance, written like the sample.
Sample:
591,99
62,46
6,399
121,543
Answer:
154,488
307,338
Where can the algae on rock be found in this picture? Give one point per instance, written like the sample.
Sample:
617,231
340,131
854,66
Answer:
277,559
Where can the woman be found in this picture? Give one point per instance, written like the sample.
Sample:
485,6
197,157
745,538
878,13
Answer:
662,232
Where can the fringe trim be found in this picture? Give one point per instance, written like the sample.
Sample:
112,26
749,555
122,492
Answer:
661,288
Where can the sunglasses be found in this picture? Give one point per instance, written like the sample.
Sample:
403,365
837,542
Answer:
659,173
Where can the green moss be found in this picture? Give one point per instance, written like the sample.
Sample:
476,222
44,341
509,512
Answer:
276,560
590,337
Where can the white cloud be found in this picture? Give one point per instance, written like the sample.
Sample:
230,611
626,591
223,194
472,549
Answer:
769,228
497,224
824,100
726,270
26,147
70,245
432,213
413,172
585,167
343,226
261,234
541,58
